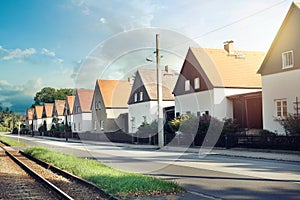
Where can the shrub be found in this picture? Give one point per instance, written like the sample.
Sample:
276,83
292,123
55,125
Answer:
146,129
291,125
230,126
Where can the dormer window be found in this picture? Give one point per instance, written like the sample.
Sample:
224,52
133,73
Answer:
187,85
287,59
197,83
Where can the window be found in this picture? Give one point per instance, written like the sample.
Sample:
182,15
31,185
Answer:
135,97
95,125
187,85
281,108
141,96
101,124
98,105
287,59
79,128
74,127
177,114
197,83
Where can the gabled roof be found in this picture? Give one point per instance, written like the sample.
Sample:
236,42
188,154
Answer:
30,112
38,110
149,79
115,93
70,103
223,70
294,6
59,106
48,109
85,99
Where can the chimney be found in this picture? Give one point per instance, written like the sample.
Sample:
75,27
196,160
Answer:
131,80
228,46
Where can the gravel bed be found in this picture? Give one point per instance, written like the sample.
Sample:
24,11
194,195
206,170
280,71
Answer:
16,184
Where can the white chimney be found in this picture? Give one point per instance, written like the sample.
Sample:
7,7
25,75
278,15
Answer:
168,68
228,46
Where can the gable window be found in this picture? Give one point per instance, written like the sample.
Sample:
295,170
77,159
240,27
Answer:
141,96
98,105
281,108
187,85
135,97
95,125
197,83
287,59
101,124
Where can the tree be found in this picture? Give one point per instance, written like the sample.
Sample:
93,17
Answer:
46,95
49,95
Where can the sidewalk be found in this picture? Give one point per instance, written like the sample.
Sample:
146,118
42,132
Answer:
280,155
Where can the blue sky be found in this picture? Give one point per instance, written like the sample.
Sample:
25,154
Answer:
48,43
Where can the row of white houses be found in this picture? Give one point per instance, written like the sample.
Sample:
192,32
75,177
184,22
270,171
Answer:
256,89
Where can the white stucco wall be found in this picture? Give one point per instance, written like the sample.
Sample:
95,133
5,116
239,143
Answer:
283,85
48,122
83,122
36,124
148,109
214,101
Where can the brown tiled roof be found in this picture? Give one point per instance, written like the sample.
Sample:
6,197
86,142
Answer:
225,70
85,97
30,112
115,93
59,106
48,109
149,79
39,111
70,102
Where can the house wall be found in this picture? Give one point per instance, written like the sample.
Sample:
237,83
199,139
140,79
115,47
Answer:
147,109
83,122
214,101
48,122
275,87
70,120
37,123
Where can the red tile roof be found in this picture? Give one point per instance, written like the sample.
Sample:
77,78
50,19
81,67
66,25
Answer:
85,97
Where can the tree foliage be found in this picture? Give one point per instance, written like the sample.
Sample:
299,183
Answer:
8,119
49,95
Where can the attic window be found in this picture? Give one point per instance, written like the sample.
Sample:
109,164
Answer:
197,83
187,85
141,96
287,59
135,97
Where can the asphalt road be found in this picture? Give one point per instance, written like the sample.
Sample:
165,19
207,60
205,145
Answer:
205,177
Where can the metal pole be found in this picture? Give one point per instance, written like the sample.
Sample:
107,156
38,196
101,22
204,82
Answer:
160,125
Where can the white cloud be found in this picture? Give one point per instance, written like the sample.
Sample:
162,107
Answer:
47,52
102,20
17,53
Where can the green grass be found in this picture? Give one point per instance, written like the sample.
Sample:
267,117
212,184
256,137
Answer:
115,182
11,142
3,133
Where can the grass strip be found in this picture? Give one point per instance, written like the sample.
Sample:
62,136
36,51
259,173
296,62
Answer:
11,142
113,181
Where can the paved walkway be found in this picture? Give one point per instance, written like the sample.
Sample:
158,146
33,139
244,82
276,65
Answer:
282,155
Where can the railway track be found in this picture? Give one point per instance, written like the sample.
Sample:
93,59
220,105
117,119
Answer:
17,170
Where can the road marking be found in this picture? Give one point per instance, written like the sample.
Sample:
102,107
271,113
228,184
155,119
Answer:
205,195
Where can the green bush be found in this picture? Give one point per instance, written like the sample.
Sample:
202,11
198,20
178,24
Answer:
291,125
146,129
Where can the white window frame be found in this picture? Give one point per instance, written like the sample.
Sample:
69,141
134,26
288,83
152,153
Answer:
135,97
79,127
187,85
283,108
141,96
95,125
287,61
196,83
101,125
